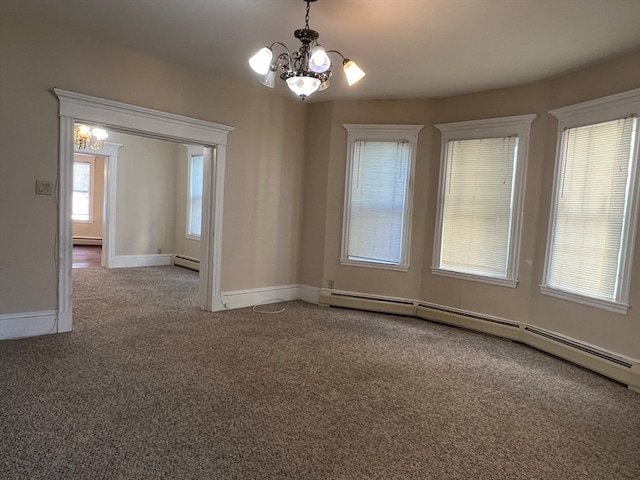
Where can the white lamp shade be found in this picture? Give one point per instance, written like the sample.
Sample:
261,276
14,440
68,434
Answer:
83,129
319,61
353,72
269,79
100,134
261,61
303,86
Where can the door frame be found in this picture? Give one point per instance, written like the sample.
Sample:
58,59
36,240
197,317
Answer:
156,124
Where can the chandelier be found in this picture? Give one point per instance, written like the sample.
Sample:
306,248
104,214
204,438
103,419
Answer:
306,71
85,136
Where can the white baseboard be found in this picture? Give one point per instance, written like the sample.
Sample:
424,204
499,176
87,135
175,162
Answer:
131,261
65,322
309,294
28,324
249,298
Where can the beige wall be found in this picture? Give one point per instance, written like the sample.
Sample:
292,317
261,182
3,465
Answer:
265,155
616,333
145,195
93,229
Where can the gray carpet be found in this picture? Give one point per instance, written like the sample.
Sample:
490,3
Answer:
149,387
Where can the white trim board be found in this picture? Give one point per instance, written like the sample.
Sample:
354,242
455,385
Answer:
132,261
28,324
249,298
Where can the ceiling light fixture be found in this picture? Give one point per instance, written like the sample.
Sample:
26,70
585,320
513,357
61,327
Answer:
85,136
306,71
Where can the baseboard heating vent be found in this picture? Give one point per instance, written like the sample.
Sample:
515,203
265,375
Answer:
579,346
370,303
187,262
623,370
472,321
87,241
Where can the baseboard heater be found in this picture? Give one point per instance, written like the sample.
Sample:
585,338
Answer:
370,303
187,262
604,363
472,321
87,241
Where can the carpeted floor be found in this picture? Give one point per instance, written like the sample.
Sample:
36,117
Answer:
149,387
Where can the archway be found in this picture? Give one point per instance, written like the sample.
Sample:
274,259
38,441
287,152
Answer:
157,124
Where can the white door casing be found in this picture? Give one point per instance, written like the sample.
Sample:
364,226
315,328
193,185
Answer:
157,124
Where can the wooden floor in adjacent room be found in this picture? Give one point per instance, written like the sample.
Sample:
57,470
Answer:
87,256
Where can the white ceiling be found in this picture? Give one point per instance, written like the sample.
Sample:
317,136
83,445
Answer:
409,48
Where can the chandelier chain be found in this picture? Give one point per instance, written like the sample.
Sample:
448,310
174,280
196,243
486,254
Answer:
306,17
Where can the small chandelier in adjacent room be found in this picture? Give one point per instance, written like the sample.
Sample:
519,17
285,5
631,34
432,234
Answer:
89,137
306,71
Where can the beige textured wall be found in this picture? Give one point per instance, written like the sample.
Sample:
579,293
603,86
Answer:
616,333
319,117
94,228
145,195
265,155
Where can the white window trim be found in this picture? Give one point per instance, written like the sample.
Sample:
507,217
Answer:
380,133
587,113
192,150
519,125
91,160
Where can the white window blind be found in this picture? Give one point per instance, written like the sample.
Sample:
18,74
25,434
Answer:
194,219
376,211
81,200
478,205
591,210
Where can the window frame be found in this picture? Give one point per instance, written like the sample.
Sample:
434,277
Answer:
91,160
380,133
192,151
592,112
518,125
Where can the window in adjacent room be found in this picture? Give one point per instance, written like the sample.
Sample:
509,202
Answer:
82,199
594,210
482,171
378,195
194,199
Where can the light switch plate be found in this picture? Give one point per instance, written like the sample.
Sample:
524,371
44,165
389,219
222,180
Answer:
44,187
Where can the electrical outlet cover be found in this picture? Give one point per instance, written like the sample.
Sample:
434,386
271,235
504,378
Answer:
44,187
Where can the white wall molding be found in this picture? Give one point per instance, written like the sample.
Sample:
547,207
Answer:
132,261
309,294
248,298
28,324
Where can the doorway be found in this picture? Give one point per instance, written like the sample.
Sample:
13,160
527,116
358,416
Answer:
156,124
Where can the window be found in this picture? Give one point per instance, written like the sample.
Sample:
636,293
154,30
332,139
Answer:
82,200
377,212
194,203
594,209
481,191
